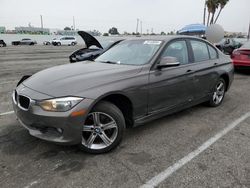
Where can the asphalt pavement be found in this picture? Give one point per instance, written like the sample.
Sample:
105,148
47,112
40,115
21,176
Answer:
145,153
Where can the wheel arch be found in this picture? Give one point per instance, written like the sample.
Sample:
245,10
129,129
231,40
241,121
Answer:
122,101
225,77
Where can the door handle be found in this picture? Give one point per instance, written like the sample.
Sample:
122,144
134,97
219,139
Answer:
215,64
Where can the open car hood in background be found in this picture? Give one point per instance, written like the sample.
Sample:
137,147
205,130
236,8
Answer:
89,39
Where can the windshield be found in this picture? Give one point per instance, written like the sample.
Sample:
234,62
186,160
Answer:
131,52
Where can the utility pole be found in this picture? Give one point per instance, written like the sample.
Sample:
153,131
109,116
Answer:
41,21
248,36
141,27
204,14
137,24
74,25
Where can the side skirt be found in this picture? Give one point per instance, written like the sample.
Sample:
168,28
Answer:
163,112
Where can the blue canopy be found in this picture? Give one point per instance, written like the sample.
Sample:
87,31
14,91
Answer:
193,29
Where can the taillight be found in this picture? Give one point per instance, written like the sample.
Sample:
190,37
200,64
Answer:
235,54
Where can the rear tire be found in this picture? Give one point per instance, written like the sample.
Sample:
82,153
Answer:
218,93
59,44
103,128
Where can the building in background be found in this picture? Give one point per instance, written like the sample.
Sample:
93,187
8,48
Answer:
55,31
66,32
95,33
235,34
2,29
72,32
32,30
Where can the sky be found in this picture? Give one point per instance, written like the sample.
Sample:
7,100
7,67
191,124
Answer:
161,15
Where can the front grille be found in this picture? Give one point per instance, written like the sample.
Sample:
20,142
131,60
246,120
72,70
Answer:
24,102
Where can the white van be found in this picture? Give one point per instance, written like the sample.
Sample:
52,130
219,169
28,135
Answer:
70,41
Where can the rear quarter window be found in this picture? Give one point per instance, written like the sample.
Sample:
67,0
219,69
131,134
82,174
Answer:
212,52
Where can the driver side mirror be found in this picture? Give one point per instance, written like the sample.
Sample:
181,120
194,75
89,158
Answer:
168,62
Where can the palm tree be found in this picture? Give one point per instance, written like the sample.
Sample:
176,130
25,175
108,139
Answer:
222,4
215,5
209,9
204,14
212,5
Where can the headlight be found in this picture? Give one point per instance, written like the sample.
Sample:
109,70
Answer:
59,104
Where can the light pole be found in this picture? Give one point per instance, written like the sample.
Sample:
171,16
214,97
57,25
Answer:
74,26
141,27
204,14
137,24
248,36
41,17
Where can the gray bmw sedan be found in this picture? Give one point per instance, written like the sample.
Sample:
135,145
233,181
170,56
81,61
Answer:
90,103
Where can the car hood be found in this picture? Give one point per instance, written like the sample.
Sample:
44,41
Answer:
77,78
89,39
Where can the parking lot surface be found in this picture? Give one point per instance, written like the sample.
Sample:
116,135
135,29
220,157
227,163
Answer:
145,151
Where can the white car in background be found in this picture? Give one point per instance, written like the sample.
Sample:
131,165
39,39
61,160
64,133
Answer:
48,42
70,41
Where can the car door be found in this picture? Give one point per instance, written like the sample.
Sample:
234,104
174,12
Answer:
205,62
171,86
69,40
63,41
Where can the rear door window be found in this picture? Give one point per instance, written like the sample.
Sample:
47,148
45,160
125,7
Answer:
212,52
200,50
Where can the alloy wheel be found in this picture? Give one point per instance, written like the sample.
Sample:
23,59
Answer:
99,131
219,92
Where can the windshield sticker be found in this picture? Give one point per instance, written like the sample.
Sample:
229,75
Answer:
153,42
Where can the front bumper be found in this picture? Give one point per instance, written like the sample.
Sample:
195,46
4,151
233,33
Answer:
59,127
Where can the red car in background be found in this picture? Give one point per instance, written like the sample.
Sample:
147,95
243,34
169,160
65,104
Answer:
241,56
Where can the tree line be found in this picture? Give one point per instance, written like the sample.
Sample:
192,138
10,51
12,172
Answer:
214,8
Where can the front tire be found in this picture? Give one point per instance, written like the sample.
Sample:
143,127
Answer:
59,44
218,93
103,128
